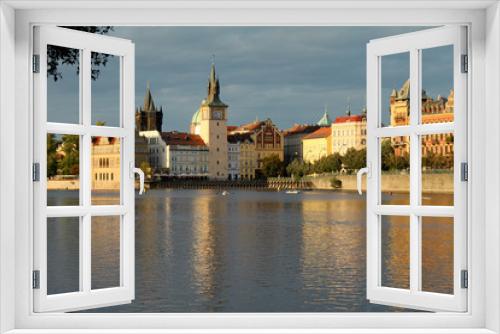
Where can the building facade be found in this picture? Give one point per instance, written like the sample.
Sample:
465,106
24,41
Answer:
141,150
317,144
438,110
186,154
349,132
156,150
209,122
241,156
233,159
148,117
105,163
267,140
293,148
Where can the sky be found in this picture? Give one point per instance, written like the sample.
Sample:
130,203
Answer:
288,74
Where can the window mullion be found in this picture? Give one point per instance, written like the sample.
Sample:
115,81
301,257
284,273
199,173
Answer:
415,184
86,235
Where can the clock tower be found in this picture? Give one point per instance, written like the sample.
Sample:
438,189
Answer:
211,120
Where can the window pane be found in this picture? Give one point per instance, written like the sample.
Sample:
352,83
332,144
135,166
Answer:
437,254
437,169
395,170
63,85
437,85
395,90
105,252
106,171
63,169
395,251
63,255
105,89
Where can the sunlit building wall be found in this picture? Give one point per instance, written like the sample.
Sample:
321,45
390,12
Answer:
105,163
349,132
438,110
317,145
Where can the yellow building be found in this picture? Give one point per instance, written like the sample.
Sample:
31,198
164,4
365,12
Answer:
439,110
317,144
349,132
244,152
209,122
267,140
105,163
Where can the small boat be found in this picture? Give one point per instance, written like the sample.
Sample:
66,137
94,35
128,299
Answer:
292,192
225,193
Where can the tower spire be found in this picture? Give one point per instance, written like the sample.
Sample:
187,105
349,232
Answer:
348,110
213,90
149,104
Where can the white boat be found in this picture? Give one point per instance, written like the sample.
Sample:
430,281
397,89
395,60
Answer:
225,193
292,192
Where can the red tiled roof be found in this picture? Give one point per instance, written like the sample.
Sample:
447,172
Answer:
352,118
231,128
252,126
300,128
322,132
182,138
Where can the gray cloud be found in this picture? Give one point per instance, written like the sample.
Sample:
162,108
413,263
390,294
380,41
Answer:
285,73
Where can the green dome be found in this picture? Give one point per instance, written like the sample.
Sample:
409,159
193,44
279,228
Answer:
196,117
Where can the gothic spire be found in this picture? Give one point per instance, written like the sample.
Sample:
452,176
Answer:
214,88
149,104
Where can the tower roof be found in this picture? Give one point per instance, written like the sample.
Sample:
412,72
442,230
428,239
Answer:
149,104
213,93
325,120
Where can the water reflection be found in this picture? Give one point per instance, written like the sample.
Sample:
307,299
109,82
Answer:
198,251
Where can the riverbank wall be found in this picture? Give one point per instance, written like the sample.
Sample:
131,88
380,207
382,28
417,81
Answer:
432,183
398,183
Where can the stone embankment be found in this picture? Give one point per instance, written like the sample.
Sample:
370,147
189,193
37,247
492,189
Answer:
432,183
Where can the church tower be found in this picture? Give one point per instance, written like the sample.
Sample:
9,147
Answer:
210,123
148,117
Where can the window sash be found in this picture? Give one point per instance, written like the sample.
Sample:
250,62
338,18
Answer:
86,297
414,297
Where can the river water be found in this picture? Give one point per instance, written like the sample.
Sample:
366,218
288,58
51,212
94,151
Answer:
250,251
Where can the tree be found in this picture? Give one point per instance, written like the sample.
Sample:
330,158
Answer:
272,166
387,154
298,168
354,159
437,161
69,164
57,56
52,145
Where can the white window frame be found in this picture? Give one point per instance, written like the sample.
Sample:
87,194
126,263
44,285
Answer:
413,44
86,297
16,21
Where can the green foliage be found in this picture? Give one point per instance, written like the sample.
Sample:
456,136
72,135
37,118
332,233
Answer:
69,163
354,159
100,123
272,166
391,161
57,56
329,164
52,145
63,155
387,154
297,169
437,161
